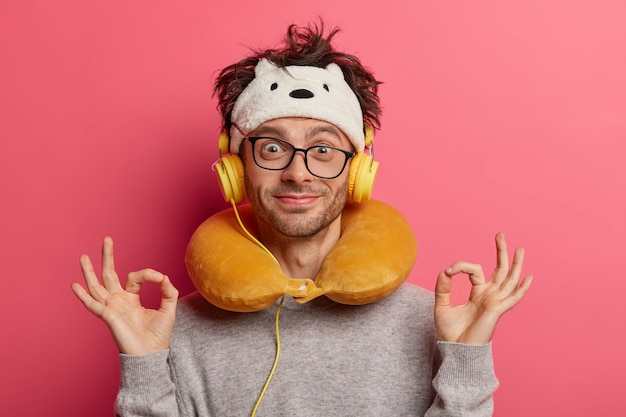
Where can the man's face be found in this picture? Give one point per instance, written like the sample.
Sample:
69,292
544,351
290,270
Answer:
293,202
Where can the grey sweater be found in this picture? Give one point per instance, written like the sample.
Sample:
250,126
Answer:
380,359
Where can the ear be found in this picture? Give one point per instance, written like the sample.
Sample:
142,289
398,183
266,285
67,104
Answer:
334,69
264,65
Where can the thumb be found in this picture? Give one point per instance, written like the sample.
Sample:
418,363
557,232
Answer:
170,295
443,288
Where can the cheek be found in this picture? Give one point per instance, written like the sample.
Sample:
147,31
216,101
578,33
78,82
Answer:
341,185
342,190
255,178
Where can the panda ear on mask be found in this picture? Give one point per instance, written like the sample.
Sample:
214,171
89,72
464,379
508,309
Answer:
336,69
264,66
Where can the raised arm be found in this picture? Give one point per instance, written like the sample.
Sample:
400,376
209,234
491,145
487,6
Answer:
465,381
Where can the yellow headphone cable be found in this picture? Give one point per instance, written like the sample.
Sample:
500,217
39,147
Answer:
280,305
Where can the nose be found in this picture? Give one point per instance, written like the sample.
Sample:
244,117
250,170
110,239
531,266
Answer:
297,171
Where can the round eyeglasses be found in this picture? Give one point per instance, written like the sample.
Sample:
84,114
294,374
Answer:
322,161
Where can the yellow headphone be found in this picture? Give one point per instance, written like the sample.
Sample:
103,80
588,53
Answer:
230,176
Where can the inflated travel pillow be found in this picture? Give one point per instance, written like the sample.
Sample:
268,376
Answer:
373,257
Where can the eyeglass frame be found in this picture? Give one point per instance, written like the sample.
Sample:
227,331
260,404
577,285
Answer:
347,154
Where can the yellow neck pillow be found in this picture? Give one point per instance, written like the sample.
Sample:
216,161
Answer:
374,255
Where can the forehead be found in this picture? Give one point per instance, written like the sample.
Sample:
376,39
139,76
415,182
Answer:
295,127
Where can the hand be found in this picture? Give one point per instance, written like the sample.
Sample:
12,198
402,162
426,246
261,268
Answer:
474,322
136,330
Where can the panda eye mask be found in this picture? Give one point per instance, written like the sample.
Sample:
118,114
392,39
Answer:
297,91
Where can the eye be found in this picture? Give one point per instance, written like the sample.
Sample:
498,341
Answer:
322,149
326,87
271,147
323,153
274,86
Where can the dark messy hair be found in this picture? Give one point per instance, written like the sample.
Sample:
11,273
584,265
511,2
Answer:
304,46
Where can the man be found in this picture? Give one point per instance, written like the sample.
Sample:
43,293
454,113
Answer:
385,358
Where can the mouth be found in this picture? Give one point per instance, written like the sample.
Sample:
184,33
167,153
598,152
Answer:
296,200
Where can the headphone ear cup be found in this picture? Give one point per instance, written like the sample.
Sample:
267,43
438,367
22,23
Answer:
362,174
231,178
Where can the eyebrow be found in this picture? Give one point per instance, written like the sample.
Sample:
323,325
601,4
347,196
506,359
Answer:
324,129
267,130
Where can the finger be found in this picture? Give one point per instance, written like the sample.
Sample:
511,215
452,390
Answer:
517,294
88,301
109,277
136,279
515,273
474,271
170,295
443,289
97,291
501,271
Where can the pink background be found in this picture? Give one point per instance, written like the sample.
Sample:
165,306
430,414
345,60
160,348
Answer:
499,115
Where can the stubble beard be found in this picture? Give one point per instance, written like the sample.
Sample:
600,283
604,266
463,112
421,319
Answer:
296,223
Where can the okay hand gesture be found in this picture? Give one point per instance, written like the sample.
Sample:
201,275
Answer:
136,330
474,322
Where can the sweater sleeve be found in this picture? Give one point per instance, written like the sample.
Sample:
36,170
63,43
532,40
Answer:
465,381
146,387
